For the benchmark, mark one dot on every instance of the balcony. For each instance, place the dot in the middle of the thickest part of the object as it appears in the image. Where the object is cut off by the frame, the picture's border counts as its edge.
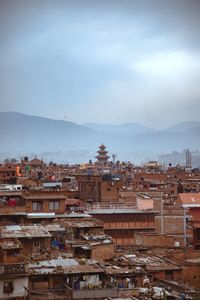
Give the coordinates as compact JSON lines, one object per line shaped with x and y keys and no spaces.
{"x":66,"y":294}
{"x":94,"y":294}
{"x":13,"y":259}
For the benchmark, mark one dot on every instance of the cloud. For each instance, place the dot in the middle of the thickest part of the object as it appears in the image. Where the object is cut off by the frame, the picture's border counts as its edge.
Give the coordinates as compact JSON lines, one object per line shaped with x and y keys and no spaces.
{"x":168,"y":64}
{"x":101,"y":60}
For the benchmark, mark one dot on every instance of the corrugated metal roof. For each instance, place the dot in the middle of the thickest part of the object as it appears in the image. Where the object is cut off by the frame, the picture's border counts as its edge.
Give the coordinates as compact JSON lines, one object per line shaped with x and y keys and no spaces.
{"x":54,"y":227}
{"x":40,"y":215}
{"x":25,"y":231}
{"x":13,"y":227}
{"x":10,"y":244}
{"x":60,"y":265}
{"x":52,"y":184}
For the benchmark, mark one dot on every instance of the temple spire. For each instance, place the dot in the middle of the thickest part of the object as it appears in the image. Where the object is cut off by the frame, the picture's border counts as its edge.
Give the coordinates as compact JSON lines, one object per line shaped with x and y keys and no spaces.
{"x":102,"y":156}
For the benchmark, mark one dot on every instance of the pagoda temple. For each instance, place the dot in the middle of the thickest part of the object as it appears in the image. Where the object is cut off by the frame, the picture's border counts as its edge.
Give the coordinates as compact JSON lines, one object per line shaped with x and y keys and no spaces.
{"x":102,"y":156}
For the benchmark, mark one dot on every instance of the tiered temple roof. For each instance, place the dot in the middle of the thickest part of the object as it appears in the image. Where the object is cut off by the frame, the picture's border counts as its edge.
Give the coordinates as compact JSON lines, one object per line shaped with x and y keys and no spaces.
{"x":102,"y":156}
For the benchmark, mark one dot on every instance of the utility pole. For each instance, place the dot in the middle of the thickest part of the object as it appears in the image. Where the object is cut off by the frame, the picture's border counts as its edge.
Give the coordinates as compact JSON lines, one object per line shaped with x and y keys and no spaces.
{"x":184,"y":227}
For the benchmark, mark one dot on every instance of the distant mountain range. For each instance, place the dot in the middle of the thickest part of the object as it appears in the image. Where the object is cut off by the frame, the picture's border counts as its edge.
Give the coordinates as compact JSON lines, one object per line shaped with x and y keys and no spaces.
{"x":59,"y":140}
{"x":125,"y":129}
{"x":181,"y":127}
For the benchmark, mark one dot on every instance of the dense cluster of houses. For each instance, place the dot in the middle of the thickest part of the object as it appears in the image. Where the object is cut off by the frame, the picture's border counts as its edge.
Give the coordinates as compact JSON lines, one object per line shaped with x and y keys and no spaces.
{"x":103,"y":230}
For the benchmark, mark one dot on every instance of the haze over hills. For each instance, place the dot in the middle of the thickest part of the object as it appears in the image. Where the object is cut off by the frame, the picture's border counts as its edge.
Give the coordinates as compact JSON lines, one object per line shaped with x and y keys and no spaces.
{"x":59,"y":140}
{"x":125,"y":129}
{"x":180,"y":127}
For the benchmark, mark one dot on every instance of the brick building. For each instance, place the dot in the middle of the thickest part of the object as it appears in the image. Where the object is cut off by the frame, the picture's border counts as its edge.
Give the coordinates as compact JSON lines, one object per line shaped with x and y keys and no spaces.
{"x":8,"y":174}
{"x":45,"y":202}
{"x":121,"y":224}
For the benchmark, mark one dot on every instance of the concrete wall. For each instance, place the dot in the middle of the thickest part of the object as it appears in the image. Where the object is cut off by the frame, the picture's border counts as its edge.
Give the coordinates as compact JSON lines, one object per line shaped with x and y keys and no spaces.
{"x":144,"y":203}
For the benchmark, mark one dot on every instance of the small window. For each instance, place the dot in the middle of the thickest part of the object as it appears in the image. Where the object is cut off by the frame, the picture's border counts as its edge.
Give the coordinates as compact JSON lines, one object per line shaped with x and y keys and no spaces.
{"x":54,"y":205}
{"x":8,"y":287}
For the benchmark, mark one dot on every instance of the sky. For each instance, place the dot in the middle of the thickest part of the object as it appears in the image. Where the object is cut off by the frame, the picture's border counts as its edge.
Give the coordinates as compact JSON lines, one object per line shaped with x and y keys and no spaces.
{"x":105,"y":61}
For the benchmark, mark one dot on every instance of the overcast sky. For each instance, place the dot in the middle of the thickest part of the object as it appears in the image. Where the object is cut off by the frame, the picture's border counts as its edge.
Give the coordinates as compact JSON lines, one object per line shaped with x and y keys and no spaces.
{"x":101,"y":61}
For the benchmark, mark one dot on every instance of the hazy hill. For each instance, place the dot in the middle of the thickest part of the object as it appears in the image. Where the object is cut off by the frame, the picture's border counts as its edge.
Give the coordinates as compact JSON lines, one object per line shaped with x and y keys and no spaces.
{"x":181,"y":127}
{"x":21,"y":131}
{"x":60,"y":140}
{"x":165,"y":140}
{"x":125,"y":129}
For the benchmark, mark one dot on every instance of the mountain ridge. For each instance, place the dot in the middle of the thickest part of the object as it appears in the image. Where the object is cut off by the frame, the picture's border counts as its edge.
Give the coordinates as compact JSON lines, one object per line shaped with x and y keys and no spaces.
{"x":21,"y":133}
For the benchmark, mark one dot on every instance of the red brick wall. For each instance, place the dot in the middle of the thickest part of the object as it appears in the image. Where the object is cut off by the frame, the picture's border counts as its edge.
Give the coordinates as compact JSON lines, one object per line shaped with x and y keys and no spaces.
{"x":103,"y":251}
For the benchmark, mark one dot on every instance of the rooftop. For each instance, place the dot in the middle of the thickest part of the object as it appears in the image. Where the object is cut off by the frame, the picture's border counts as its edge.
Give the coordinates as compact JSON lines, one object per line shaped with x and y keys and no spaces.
{"x":190,"y":199}
{"x":66,"y":265}
{"x":53,"y":215}
{"x":10,"y":244}
{"x":16,"y":231}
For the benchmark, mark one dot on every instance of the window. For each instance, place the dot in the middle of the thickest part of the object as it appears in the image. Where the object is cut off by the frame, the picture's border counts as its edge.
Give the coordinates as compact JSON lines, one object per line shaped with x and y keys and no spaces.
{"x":169,"y":275}
{"x":36,"y":244}
{"x":37,"y":206}
{"x":8,"y":287}
{"x":54,"y":205}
